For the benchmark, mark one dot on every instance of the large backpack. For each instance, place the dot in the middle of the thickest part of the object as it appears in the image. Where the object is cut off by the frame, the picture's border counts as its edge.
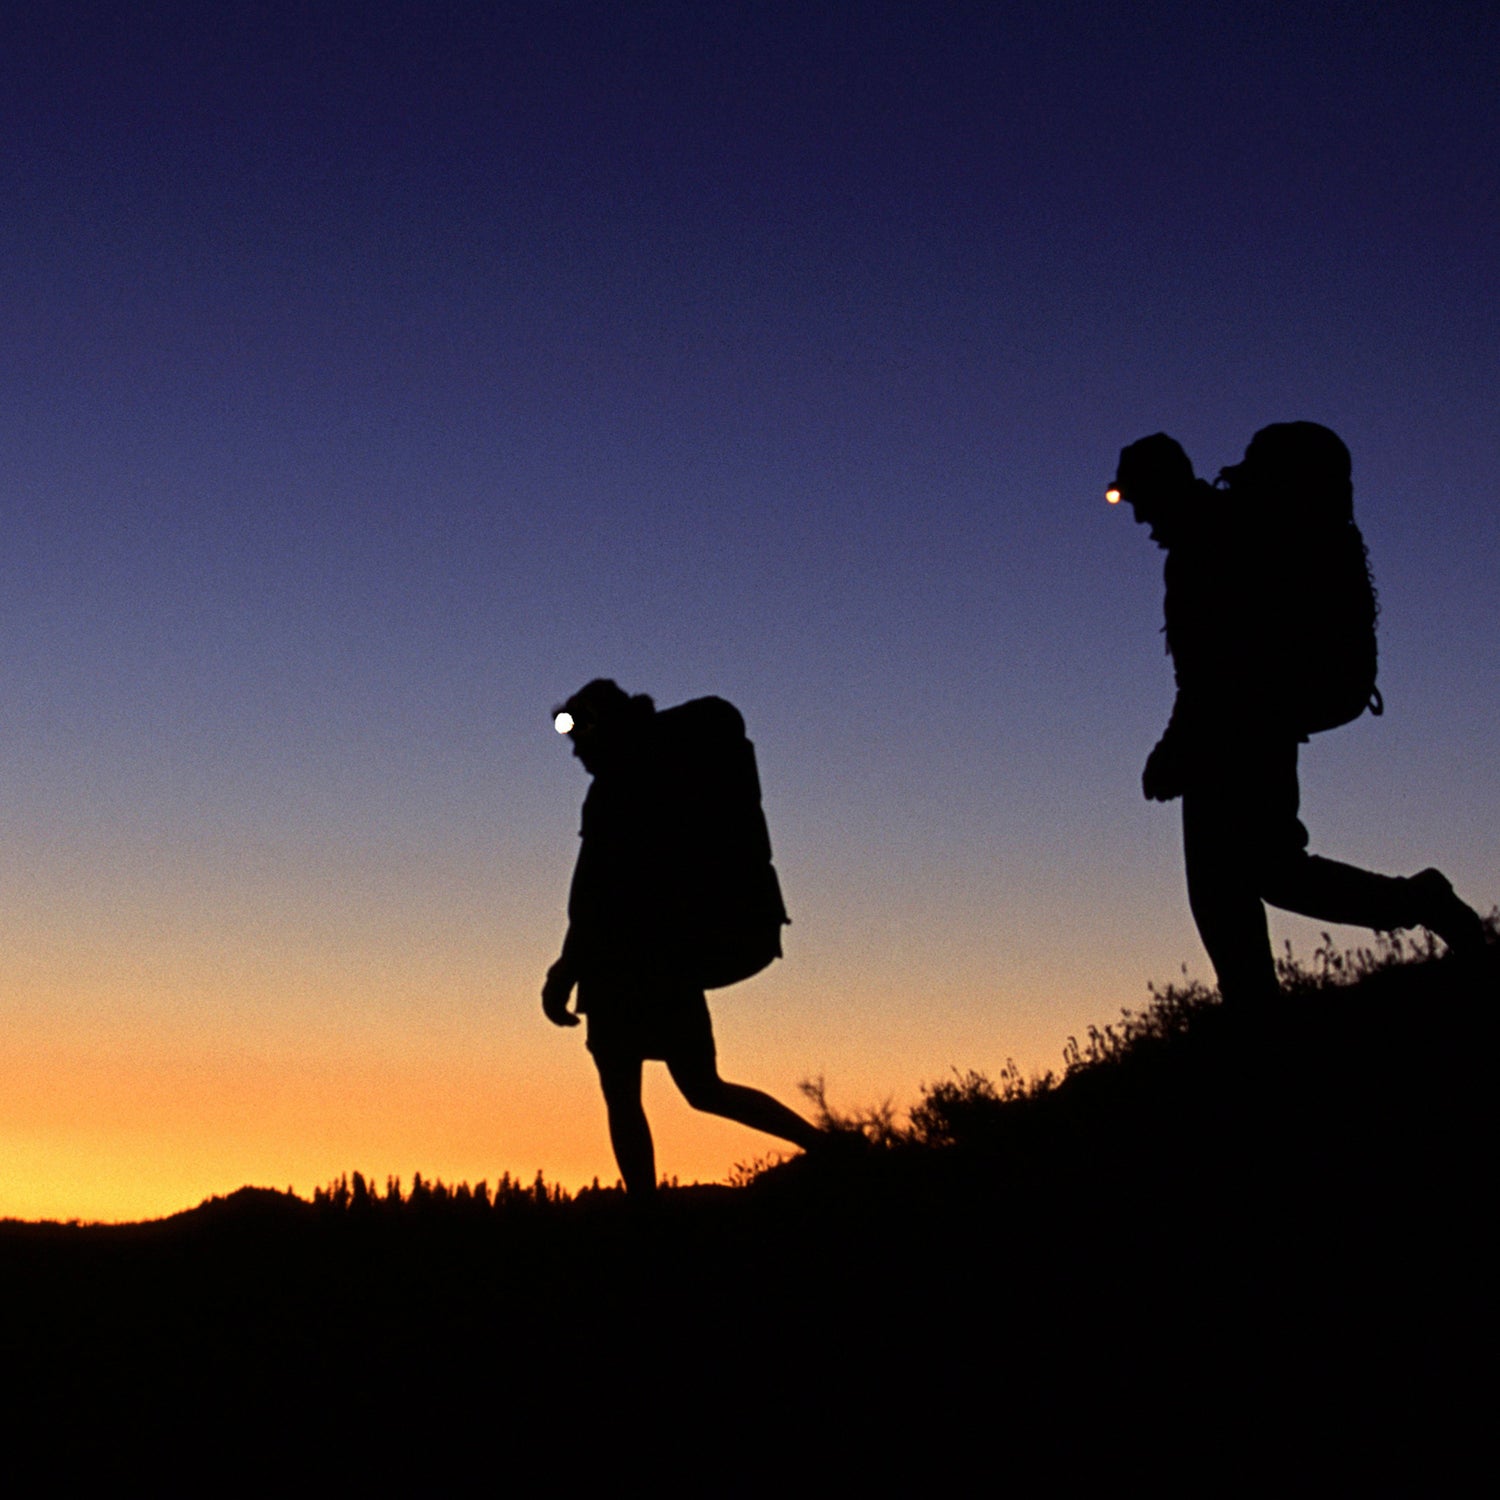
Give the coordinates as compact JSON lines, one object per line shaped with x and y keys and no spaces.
{"x":724,"y":900}
{"x":1332,"y":660}
{"x":1316,"y":599}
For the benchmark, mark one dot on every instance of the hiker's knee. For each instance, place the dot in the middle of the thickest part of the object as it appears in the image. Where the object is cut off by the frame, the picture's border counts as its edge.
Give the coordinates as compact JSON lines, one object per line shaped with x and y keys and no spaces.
{"x":699,"y":1083}
{"x":705,"y":1094}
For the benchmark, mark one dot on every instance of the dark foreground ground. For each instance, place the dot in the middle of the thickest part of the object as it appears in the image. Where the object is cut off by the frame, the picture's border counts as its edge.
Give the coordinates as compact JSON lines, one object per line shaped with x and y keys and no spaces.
{"x":1232,"y":1254}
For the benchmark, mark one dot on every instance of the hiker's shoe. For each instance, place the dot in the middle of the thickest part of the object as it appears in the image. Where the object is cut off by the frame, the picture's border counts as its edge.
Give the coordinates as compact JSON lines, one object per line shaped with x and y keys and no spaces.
{"x":1436,"y":907}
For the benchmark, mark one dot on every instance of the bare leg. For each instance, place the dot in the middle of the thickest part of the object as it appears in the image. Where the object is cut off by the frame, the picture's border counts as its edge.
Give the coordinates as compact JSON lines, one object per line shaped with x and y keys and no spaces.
{"x":629,"y":1132}
{"x":698,"y":1078}
{"x":1334,"y":892}
{"x":1223,"y":892}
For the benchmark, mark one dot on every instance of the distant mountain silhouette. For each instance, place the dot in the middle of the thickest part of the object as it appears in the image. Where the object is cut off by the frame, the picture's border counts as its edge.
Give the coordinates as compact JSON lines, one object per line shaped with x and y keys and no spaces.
{"x":245,"y":1206}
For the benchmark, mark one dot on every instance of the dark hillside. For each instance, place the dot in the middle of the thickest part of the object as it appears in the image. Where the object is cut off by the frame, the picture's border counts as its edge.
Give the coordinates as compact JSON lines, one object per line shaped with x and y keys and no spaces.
{"x":1219,"y":1247}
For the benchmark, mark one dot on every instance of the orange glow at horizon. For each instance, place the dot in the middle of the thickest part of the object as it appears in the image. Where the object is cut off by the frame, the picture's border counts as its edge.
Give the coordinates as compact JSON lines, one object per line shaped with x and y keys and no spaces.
{"x":168,"y":1050}
{"x":116,"y":1127}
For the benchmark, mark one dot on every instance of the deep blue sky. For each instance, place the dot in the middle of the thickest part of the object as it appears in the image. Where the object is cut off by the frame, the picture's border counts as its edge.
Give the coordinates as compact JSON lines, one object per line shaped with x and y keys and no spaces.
{"x":378,"y":373}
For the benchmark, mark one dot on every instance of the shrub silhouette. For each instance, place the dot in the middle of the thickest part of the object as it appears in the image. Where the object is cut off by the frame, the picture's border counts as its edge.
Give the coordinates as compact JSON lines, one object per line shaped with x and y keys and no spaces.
{"x":1181,"y":1051}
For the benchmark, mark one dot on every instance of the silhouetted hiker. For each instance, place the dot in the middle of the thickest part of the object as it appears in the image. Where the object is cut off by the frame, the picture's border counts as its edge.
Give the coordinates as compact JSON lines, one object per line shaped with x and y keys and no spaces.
{"x":662,"y":906}
{"x":1270,"y":624}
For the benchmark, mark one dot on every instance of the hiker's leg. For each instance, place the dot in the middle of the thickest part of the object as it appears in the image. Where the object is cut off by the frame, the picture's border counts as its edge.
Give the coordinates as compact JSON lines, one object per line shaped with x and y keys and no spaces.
{"x":1334,"y":892}
{"x":1225,"y":900}
{"x":1326,"y":889}
{"x":1244,"y":845}
{"x":696,"y":1073}
{"x":629,"y":1132}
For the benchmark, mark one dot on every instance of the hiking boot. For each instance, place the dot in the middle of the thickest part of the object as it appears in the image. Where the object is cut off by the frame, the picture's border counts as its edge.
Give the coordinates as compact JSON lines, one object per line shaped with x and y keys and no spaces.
{"x":1437,"y":907}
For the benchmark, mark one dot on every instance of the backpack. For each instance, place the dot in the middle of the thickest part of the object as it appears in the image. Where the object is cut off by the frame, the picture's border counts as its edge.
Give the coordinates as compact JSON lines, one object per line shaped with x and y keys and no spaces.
{"x":1315,"y":599}
{"x":1332,"y":662}
{"x":723,"y":897}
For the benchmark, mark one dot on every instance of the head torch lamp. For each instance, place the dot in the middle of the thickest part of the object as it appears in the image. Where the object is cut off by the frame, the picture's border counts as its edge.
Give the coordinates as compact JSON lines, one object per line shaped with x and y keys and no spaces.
{"x":574,"y":722}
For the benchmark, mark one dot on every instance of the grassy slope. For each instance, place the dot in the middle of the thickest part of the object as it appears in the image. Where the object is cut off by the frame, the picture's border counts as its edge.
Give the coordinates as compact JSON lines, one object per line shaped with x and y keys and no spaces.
{"x":1241,"y":1242}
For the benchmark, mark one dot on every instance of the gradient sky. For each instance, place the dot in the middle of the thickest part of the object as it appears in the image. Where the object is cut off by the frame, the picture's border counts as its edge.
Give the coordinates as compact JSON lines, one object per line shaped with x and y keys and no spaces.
{"x":378,"y":373}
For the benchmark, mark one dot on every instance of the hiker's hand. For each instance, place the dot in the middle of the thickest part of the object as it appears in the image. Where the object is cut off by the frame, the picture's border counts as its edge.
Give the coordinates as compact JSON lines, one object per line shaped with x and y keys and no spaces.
{"x":1161,"y":781}
{"x":555,"y":995}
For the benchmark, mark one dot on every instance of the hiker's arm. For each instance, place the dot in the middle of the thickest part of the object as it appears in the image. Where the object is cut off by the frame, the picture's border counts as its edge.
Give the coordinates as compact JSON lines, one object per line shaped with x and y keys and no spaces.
{"x":563,"y":975}
{"x":1163,"y":777}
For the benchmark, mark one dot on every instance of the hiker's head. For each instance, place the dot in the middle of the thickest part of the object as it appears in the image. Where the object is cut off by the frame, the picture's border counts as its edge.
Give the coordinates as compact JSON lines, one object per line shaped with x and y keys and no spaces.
{"x":1155,"y":478}
{"x":599,"y":719}
{"x":1296,"y":470}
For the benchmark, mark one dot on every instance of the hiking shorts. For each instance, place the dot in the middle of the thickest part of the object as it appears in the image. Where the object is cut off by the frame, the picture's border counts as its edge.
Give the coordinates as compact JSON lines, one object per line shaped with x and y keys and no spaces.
{"x":1241,"y":803}
{"x":643,"y":1019}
